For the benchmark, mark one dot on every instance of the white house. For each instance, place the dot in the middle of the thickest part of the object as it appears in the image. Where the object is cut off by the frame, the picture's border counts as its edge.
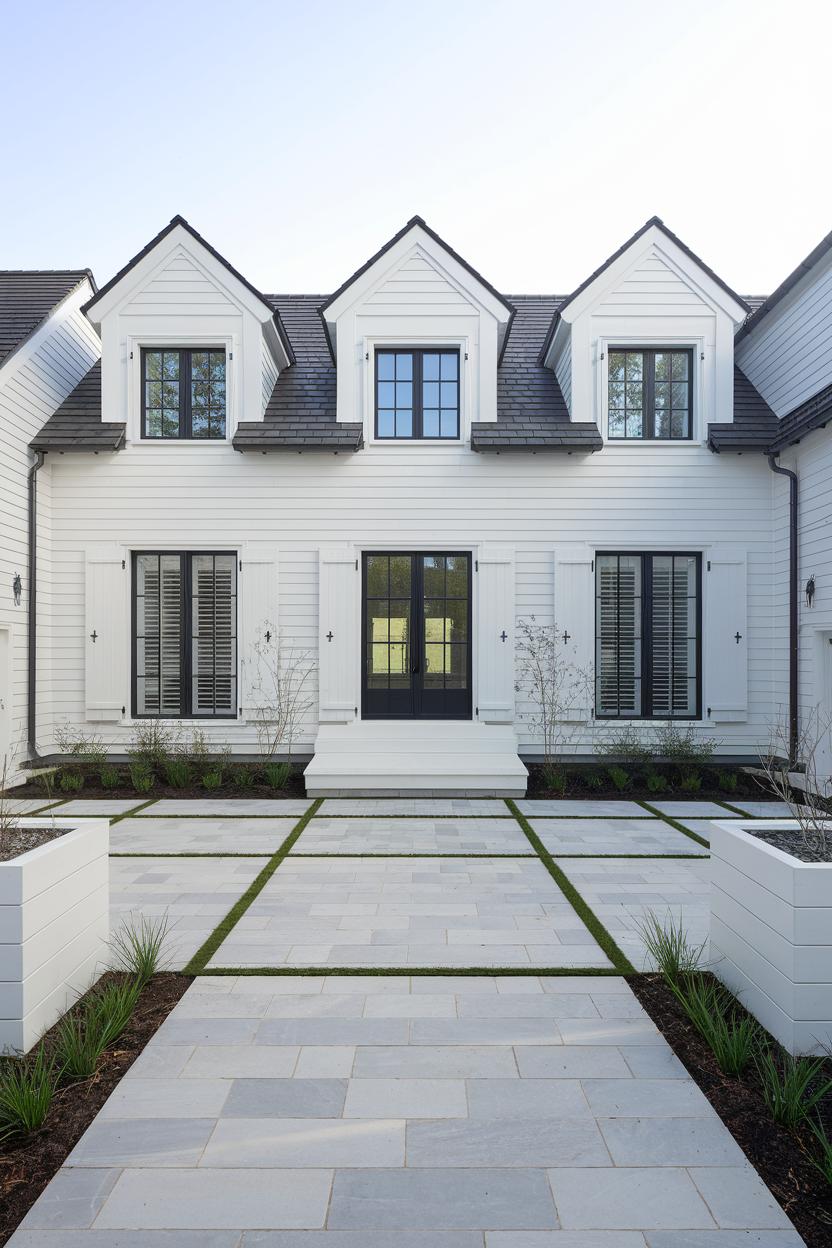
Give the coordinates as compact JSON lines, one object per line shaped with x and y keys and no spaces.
{"x":387,"y":480}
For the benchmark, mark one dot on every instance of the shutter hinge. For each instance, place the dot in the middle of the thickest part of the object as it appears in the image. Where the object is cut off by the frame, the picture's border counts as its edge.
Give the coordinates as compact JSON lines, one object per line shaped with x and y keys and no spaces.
{"x":356,"y":565}
{"x":355,"y":708}
{"x":476,"y":712}
{"x":231,"y":355}
{"x":592,"y":565}
{"x":476,"y":565}
{"x":466,"y":355}
{"x":123,"y":564}
{"x":124,"y":710}
{"x":131,"y":355}
{"x":709,"y":565}
{"x":709,"y":712}
{"x":241,"y":565}
{"x":366,"y":355}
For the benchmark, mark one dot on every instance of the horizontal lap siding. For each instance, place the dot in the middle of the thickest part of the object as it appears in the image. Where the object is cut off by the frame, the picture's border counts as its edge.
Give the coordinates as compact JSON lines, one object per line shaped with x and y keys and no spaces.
{"x":789,"y":357}
{"x":813,"y":460}
{"x":432,"y":497}
{"x":32,"y":386}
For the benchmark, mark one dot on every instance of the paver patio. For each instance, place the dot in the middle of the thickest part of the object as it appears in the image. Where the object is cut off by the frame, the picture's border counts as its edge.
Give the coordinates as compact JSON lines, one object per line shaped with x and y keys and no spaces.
{"x":505,"y":1129}
{"x":423,"y":1111}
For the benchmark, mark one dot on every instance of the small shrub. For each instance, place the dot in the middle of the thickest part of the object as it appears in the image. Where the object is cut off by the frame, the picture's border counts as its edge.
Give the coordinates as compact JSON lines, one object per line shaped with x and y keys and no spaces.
{"x":79,"y":1045}
{"x":277,"y":774}
{"x":71,"y":782}
{"x":553,"y":777}
{"x":684,"y":748}
{"x":26,"y":1089}
{"x":89,"y":751}
{"x":152,"y":744}
{"x":625,"y":745}
{"x":177,"y":772}
{"x":656,"y":783}
{"x":667,"y":944}
{"x":137,"y":947}
{"x":691,"y":782}
{"x":110,"y":1007}
{"x":47,"y":780}
{"x":243,"y":777}
{"x":621,"y":779}
{"x":109,"y":777}
{"x":727,"y":781}
{"x":141,"y":777}
{"x":791,"y":1087}
{"x":212,"y":780}
{"x":733,"y":1039}
{"x":594,"y":780}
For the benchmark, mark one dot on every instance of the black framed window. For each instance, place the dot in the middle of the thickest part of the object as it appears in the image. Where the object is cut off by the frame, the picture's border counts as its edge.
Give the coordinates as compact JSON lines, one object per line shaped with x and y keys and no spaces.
{"x":185,"y":635}
{"x":417,"y":393}
{"x":183,"y":392}
{"x":648,"y":650}
{"x":650,"y":393}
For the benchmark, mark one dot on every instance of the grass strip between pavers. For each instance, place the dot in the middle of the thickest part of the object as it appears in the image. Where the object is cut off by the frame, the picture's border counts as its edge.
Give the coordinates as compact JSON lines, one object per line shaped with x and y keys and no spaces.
{"x":674,"y":823}
{"x":479,"y":972}
{"x":209,"y":947}
{"x":620,"y":961}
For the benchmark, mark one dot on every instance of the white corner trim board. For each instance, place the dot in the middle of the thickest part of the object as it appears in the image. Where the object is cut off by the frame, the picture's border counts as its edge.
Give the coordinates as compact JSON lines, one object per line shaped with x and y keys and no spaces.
{"x":771,"y":933}
{"x":54,"y":927}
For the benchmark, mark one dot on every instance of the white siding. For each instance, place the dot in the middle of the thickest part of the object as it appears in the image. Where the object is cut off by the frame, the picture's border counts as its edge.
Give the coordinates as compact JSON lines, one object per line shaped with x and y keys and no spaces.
{"x":269,"y":374}
{"x":652,"y":285}
{"x":417,"y":287}
{"x":563,"y":372}
{"x":418,"y":497}
{"x":33,"y":383}
{"x":789,"y":358}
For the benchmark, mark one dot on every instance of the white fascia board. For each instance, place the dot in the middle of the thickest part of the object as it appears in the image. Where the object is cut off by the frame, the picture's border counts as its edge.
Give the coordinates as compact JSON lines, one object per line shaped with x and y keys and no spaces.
{"x":417,"y":240}
{"x":145,"y":270}
{"x":274,"y":344}
{"x":685,"y":268}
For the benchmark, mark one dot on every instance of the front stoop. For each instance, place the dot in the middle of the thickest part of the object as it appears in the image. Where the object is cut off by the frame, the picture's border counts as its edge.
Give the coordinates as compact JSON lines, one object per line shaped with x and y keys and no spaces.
{"x":416,"y":758}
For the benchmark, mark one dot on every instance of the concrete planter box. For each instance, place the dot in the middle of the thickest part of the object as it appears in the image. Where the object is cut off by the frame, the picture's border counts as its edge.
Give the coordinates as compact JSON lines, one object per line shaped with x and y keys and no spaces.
{"x":771,"y":933}
{"x":54,"y":927}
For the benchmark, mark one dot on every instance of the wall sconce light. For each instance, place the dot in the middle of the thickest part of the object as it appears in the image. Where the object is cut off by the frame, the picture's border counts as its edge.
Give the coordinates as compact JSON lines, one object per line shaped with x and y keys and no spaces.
{"x":17,"y":588}
{"x":810,"y":591}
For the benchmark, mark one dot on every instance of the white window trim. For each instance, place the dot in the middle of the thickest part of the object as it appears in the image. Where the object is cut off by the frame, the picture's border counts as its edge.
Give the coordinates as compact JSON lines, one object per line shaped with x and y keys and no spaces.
{"x":135,"y":343}
{"x":698,"y":415}
{"x":461,"y":343}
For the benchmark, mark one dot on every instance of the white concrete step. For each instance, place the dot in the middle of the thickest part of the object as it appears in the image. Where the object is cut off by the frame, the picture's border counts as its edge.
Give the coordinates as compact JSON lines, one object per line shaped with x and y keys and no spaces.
{"x":412,"y":758}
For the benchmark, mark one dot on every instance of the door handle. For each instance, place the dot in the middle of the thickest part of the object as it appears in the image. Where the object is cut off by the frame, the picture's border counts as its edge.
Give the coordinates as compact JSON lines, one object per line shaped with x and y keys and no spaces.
{"x":414,"y":663}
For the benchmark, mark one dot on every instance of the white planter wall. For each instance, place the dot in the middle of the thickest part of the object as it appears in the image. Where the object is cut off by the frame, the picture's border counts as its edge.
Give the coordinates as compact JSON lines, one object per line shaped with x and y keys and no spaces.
{"x":771,"y":934}
{"x":54,"y":927}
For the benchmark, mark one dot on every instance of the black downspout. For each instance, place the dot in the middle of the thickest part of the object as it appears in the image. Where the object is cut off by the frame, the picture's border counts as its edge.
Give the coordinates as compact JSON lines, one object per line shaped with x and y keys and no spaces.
{"x":794,"y":722}
{"x":32,"y":643}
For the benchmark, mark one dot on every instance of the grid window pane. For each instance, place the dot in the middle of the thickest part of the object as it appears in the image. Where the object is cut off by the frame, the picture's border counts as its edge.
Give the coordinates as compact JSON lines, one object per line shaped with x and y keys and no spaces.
{"x":649,"y":394}
{"x":183,"y":392}
{"x":417,"y":394}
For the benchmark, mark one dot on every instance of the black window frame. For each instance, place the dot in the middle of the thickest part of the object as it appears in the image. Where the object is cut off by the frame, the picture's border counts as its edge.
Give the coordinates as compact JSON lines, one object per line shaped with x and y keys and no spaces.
{"x":418,"y":354}
{"x":185,"y":433}
{"x":648,"y":433}
{"x":646,"y":557}
{"x":186,"y":627}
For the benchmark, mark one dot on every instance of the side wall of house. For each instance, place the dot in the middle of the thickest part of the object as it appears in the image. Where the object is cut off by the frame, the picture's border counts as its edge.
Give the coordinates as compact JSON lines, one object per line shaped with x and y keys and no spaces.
{"x":425,"y":497}
{"x":33,"y":383}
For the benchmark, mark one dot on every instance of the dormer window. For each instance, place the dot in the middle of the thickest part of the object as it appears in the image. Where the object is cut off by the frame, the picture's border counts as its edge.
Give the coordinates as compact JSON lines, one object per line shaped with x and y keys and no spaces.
{"x":650,"y":393}
{"x":183,"y":392}
{"x":417,"y":394}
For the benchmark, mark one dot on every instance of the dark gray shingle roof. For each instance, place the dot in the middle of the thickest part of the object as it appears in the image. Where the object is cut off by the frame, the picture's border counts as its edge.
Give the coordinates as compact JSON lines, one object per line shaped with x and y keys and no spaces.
{"x":812,"y":414}
{"x":531,"y":411}
{"x":764,"y":306}
{"x":755,"y":424}
{"x":27,"y":296}
{"x":77,"y":424}
{"x":300,"y":414}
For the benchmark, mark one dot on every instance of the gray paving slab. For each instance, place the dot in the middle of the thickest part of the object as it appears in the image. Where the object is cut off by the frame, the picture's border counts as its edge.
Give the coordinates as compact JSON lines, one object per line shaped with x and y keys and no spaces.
{"x":561,"y":808}
{"x":762,"y":809}
{"x":408,"y":1098}
{"x":361,"y":1239}
{"x":623,"y":892}
{"x":507,"y":1142}
{"x":670,"y":1142}
{"x":125,"y":1239}
{"x":154,"y":1142}
{"x":286,"y":1098}
{"x":194,"y":894}
{"x":388,"y":835}
{"x":29,"y":805}
{"x":137,"y":835}
{"x":564,"y":1239}
{"x":441,"y":1199}
{"x":235,"y":807}
{"x":613,"y":836}
{"x":691,"y":810}
{"x":496,"y":1099}
{"x":222,"y":1198}
{"x":627,"y":1198}
{"x":98,"y":807}
{"x":429,"y":807}
{"x":274,"y":1143}
{"x":647,"y":1098}
{"x":725,"y":1239}
{"x":397,"y":912}
{"x":738,"y":1198}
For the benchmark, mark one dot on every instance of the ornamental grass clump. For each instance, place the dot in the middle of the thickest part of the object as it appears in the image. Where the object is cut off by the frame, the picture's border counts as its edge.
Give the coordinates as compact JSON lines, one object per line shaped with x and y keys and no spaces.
{"x":177,"y":772}
{"x":792,"y":1086}
{"x":137,"y":948}
{"x":668,"y":946}
{"x":277,"y":774}
{"x":732,"y":1036}
{"x":27,"y":1086}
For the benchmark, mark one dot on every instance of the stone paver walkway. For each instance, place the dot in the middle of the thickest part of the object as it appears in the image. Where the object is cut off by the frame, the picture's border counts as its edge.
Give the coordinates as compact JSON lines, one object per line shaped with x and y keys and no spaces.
{"x":312,"y":1110}
{"x":444,"y":1113}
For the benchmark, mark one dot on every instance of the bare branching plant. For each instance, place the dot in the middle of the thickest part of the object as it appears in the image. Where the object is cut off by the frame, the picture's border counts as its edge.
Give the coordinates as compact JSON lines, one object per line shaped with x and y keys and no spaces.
{"x":9,"y":820}
{"x":558,"y":692}
{"x":811,"y":810}
{"x":280,"y":678}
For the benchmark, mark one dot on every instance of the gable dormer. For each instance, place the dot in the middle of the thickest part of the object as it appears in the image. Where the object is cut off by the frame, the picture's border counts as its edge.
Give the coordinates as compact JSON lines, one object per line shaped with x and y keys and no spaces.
{"x":189,"y":347}
{"x":644,"y":347}
{"x":416,"y":334}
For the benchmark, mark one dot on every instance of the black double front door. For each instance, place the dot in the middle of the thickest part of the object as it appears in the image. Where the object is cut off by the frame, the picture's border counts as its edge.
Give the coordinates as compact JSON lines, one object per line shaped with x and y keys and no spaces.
{"x":416,"y":635}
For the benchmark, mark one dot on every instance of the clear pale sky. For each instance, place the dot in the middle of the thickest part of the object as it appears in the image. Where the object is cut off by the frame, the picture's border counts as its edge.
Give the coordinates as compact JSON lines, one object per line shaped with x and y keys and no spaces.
{"x":533,"y":136}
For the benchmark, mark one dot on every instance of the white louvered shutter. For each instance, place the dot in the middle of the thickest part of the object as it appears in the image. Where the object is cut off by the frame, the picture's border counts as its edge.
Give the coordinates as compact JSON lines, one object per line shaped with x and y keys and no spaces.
{"x":618,"y":641}
{"x":726,"y":634}
{"x":213,"y":591}
{"x":107,"y":640}
{"x":673,"y":617}
{"x":495,"y":634}
{"x":338,"y":634}
{"x":259,"y":606}
{"x":574,"y":621}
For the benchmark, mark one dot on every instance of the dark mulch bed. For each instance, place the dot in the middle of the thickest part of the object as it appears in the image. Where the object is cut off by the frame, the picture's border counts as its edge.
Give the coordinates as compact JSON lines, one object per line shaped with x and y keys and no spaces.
{"x":27,"y":1165}
{"x":780,"y":1155}
{"x":93,"y":790}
